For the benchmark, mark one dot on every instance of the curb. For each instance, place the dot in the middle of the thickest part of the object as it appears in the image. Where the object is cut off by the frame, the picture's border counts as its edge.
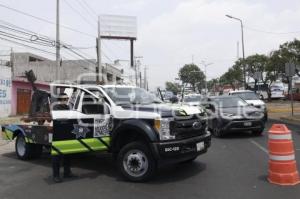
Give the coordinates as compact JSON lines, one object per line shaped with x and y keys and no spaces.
{"x":287,"y":121}
{"x":282,"y":110}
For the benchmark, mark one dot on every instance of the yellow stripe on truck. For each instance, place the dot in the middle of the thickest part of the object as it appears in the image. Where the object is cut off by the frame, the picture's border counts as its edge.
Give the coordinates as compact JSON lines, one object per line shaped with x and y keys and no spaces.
{"x":7,"y":135}
{"x":74,"y":146}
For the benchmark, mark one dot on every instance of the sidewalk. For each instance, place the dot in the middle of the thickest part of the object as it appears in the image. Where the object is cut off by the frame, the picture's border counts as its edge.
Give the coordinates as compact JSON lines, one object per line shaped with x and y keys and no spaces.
{"x":10,"y":120}
{"x":6,"y":146}
{"x":281,"y":110}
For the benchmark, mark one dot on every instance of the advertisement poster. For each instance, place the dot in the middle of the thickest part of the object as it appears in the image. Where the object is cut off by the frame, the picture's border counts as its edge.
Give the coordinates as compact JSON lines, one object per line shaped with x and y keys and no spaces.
{"x":5,"y":91}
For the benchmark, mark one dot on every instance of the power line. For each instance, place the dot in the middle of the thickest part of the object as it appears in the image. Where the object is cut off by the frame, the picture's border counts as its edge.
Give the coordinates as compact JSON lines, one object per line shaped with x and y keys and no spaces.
{"x":22,"y":30}
{"x":46,"y":20}
{"x":87,"y":10}
{"x":31,"y":34}
{"x":88,"y":6}
{"x":38,"y":36}
{"x":20,"y":38}
{"x":28,"y":41}
{"x":32,"y":38}
{"x":38,"y":49}
{"x":76,"y":63}
{"x":83,"y":47}
{"x":46,"y":38}
{"x":78,"y":54}
{"x":76,"y":11}
{"x":270,"y":32}
{"x":27,"y":46}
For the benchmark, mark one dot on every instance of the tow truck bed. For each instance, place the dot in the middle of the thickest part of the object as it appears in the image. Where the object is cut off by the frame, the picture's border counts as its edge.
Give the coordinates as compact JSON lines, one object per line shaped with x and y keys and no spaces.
{"x":34,"y":134}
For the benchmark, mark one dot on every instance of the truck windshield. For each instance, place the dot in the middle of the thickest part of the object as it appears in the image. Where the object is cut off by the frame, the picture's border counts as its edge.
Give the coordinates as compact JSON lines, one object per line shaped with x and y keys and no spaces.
{"x":228,"y":102}
{"x":194,"y":98}
{"x":246,"y":95}
{"x":131,"y":95}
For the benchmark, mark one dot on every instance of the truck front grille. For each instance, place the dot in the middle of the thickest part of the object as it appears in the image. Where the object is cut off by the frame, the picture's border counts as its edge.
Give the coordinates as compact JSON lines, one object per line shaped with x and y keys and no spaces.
{"x":186,"y":129}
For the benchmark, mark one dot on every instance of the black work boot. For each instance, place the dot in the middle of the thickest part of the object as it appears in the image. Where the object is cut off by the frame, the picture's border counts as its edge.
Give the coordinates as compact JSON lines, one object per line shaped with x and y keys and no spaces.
{"x":70,"y":175}
{"x":57,"y":179}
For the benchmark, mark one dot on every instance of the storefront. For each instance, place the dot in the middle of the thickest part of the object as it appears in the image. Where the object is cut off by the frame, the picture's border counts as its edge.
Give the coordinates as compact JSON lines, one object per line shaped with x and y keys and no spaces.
{"x":21,"y":95}
{"x":5,"y":91}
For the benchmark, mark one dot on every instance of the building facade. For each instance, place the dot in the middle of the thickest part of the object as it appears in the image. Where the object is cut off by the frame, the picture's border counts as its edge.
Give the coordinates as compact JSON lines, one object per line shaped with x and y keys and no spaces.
{"x":70,"y":71}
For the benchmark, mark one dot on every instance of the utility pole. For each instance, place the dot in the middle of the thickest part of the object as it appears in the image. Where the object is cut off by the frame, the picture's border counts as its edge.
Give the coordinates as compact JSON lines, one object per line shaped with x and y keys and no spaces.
{"x":243,"y":47}
{"x":57,"y":42}
{"x":140,"y":79}
{"x":145,"y":77}
{"x":237,"y":50}
{"x":12,"y":61}
{"x":98,"y":65}
{"x":137,"y":68}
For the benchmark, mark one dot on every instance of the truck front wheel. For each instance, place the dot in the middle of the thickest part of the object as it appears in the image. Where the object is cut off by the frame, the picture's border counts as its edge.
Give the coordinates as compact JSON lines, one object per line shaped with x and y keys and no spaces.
{"x":136,"y":162}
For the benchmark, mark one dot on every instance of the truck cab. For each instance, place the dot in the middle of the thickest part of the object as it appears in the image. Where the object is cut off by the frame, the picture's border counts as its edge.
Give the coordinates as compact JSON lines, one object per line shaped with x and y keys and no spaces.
{"x":140,"y":131}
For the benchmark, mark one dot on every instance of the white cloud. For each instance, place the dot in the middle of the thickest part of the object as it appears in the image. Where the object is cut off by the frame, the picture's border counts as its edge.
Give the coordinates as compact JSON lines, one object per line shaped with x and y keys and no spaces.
{"x":171,"y":31}
{"x":200,"y":28}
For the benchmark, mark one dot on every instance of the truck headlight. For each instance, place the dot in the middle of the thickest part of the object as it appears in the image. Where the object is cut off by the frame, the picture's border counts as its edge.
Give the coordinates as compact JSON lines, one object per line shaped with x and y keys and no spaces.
{"x":163,"y":128}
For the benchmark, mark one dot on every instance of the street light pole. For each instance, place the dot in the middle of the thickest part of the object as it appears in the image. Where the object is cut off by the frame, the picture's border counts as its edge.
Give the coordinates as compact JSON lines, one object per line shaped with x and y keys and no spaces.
{"x":243,"y":47}
{"x":57,"y":46}
{"x":205,"y":65}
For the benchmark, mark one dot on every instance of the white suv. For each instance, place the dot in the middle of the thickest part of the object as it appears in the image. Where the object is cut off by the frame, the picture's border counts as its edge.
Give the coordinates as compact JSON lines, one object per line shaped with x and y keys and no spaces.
{"x":251,"y":98}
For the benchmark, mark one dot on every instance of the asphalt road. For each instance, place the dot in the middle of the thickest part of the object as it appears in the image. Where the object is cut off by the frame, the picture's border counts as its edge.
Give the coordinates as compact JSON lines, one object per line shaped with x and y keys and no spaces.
{"x":234,"y":167}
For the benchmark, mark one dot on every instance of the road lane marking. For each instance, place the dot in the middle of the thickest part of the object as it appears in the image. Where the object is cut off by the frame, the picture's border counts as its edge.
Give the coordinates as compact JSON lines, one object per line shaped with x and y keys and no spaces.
{"x":259,"y":146}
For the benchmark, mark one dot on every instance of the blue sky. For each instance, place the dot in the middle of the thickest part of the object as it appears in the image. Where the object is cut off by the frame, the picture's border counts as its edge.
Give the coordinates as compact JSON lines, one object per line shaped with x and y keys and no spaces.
{"x":170,"y":32}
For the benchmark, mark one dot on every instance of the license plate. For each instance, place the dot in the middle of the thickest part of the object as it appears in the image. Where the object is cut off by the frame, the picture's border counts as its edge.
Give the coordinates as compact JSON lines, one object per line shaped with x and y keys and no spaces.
{"x":200,"y":146}
{"x":247,"y":123}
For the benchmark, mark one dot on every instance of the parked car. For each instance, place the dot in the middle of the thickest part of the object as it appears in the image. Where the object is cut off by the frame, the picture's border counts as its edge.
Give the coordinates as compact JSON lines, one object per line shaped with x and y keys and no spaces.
{"x":277,"y":91}
{"x":233,"y":114}
{"x":252,"y":99}
{"x":192,"y":100}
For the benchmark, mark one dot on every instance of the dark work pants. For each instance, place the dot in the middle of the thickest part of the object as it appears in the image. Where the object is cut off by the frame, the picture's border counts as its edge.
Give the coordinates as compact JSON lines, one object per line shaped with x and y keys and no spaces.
{"x":56,"y":162}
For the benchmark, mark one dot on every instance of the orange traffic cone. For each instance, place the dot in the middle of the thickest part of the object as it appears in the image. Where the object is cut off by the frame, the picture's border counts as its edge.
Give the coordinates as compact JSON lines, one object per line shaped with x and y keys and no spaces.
{"x":282,"y":164}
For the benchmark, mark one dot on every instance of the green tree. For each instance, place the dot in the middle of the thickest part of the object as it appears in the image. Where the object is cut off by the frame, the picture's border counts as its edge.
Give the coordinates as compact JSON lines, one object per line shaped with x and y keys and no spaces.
{"x":192,"y":74}
{"x":174,"y":87}
{"x":234,"y":75}
{"x":290,"y":51}
{"x":257,"y":63}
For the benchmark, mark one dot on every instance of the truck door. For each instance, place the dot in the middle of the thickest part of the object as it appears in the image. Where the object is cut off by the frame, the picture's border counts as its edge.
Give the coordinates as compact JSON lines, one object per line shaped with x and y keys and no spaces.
{"x":85,"y":127}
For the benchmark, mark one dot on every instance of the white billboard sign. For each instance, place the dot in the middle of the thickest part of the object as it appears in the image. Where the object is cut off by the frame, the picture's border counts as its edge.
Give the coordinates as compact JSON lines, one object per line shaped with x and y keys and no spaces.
{"x":5,"y":91}
{"x":118,"y":27}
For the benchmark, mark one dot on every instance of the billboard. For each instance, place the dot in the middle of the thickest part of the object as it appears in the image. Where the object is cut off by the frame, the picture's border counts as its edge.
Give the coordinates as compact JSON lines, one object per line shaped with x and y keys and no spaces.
{"x":5,"y":91}
{"x":118,"y":27}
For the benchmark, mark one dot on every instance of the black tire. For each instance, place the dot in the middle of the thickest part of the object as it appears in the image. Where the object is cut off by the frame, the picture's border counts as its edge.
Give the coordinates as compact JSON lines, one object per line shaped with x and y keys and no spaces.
{"x":140,"y":156}
{"x":257,"y":132}
{"x":24,"y":151}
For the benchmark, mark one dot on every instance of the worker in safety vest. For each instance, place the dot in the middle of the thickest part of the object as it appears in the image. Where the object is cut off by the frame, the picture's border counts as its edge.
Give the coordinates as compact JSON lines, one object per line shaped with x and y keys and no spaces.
{"x":58,"y":159}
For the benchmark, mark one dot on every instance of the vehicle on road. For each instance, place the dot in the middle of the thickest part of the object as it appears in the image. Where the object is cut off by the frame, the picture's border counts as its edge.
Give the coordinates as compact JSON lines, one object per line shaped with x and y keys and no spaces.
{"x":192,"y":99}
{"x":278,"y":91}
{"x":252,"y":99}
{"x":232,"y":114}
{"x":260,"y":88}
{"x":140,"y":131}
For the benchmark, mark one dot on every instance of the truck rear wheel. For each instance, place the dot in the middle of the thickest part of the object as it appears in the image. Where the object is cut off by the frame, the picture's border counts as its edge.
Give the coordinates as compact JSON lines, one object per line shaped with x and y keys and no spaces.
{"x":24,"y":150}
{"x":135,"y":162}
